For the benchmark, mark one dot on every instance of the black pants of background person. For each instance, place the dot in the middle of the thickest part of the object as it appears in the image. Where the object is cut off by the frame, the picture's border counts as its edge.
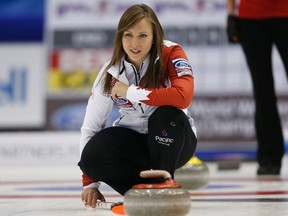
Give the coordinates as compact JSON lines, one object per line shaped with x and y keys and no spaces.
{"x":257,"y":38}
{"x":117,"y":155}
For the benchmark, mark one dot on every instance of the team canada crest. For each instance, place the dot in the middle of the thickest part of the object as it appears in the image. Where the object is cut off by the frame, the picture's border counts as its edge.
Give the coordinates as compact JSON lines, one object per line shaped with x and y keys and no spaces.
{"x":182,"y":67}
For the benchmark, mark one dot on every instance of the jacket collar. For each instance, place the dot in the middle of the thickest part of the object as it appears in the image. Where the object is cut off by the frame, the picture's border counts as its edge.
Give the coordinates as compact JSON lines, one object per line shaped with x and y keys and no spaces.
{"x":115,"y":69}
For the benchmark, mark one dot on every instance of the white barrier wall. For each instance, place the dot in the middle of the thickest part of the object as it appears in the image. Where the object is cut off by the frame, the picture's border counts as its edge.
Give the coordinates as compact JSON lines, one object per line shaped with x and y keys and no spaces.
{"x":39,"y":148}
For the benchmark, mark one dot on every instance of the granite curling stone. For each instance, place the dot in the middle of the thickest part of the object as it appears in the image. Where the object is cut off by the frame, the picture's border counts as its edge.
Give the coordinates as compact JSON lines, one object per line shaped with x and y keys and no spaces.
{"x":161,"y":199}
{"x":193,"y":175}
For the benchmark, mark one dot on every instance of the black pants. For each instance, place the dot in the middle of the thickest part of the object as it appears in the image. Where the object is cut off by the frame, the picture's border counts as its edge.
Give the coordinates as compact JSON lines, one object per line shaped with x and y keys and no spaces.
{"x":117,"y":155}
{"x":257,"y":40}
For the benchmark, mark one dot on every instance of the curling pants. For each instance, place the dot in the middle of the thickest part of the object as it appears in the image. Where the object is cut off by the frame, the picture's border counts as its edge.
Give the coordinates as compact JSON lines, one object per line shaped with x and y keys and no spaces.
{"x":257,"y":39}
{"x":117,"y":155}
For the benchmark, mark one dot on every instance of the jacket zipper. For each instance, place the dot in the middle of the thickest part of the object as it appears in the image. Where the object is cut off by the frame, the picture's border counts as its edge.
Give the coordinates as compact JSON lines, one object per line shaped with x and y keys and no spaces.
{"x":117,"y":122}
{"x":137,"y":79}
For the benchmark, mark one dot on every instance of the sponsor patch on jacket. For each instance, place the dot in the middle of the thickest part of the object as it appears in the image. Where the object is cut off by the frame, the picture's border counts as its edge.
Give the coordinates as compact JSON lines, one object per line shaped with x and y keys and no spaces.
{"x":182,"y":67}
{"x":122,"y":102}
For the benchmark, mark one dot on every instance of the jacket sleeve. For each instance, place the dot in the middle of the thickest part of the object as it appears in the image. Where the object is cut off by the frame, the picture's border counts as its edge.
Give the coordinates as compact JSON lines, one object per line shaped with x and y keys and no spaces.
{"x":89,"y":183}
{"x":179,"y":91}
{"x":97,"y":112}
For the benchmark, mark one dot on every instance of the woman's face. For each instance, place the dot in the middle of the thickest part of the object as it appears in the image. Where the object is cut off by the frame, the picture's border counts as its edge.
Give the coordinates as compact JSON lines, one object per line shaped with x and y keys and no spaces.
{"x":137,"y":42}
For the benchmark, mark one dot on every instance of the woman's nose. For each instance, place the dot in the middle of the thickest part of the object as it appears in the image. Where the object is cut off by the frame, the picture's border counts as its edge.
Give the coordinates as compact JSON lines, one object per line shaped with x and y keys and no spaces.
{"x":135,"y":42}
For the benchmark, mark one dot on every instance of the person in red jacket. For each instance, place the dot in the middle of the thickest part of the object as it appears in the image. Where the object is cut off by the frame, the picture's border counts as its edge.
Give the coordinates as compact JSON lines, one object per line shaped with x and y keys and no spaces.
{"x":151,"y":81}
{"x":258,"y":26}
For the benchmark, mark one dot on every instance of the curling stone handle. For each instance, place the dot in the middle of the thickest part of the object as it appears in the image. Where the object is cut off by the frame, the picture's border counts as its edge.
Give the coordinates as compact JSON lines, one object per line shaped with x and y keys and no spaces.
{"x":155,"y":174}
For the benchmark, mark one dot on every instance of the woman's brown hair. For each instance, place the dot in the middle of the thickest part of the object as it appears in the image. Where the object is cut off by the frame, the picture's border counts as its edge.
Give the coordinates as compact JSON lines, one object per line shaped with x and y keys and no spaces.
{"x":154,"y":73}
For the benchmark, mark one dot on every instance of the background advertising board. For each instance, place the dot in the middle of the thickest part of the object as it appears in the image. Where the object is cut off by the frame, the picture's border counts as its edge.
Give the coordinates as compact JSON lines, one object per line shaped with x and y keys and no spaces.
{"x":22,"y":96}
{"x":22,"y":65}
{"x":80,"y":35}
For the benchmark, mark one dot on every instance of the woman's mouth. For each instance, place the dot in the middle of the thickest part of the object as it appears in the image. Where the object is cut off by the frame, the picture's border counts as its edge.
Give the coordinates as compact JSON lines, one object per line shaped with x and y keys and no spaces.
{"x":135,"y":51}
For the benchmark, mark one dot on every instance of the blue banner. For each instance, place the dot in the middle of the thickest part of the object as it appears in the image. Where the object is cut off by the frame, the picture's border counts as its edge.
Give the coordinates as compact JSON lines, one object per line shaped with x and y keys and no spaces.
{"x":22,"y":21}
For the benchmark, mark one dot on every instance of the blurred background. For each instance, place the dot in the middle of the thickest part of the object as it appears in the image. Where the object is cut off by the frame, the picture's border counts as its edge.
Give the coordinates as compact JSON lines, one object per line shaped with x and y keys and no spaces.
{"x":51,"y":52}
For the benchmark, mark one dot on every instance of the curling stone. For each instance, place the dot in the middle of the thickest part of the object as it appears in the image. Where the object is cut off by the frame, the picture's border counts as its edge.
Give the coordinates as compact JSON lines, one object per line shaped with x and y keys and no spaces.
{"x":161,"y":199}
{"x":193,"y":175}
{"x":229,"y":161}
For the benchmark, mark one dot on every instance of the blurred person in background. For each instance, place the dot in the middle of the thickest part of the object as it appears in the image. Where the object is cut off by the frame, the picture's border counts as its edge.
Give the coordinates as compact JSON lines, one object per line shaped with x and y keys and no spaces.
{"x":151,"y":80}
{"x":259,"y":25}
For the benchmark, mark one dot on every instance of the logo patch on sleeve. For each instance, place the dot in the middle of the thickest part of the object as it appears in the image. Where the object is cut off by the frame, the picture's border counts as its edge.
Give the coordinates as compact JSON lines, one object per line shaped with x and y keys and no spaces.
{"x":182,"y":67}
{"x":122,"y":102}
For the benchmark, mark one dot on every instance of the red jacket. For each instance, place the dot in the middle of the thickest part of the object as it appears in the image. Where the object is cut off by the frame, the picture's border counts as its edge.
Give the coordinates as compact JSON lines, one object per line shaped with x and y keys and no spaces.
{"x":263,"y":9}
{"x":178,"y":92}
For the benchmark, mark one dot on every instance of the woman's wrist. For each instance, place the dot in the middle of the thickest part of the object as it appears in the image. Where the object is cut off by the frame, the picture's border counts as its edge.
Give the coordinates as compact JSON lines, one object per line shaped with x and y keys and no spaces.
{"x":92,"y":185}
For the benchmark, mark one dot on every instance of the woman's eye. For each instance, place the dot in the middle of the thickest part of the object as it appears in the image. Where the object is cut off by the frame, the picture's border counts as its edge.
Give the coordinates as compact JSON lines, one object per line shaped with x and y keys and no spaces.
{"x":143,"y":35}
{"x":128,"y":35}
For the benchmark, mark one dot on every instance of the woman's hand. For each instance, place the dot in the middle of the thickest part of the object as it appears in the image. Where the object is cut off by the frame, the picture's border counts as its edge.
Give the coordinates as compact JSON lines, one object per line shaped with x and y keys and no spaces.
{"x":90,"y":196}
{"x":119,"y":89}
